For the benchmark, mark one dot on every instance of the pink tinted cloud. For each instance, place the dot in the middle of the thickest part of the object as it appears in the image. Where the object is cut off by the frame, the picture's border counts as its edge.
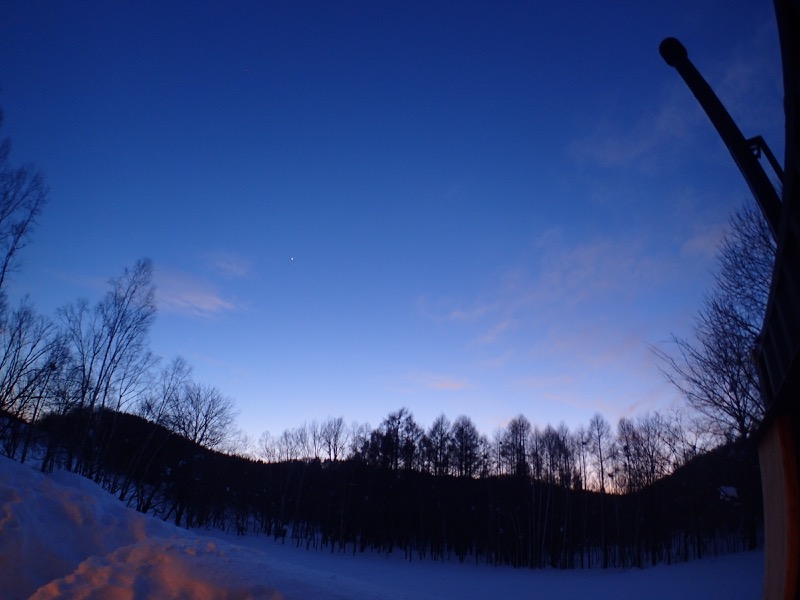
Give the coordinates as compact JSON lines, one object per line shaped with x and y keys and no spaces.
{"x":182,"y":294}
{"x":437,"y":382}
{"x":703,"y":244}
{"x":230,"y":264}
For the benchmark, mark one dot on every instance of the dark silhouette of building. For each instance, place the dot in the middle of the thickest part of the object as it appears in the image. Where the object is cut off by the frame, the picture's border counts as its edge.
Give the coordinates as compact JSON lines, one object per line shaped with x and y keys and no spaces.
{"x":778,"y":353}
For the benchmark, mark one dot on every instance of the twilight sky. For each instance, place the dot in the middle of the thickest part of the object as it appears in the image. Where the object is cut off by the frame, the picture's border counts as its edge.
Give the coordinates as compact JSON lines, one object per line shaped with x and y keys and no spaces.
{"x":471,"y":208}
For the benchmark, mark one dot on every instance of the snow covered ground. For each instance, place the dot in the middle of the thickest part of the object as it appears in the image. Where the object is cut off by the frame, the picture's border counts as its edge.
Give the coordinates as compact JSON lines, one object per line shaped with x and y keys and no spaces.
{"x":61,"y":536}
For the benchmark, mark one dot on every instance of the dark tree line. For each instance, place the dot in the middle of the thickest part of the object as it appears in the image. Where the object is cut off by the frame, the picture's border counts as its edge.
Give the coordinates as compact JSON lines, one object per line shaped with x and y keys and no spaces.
{"x":384,"y":504}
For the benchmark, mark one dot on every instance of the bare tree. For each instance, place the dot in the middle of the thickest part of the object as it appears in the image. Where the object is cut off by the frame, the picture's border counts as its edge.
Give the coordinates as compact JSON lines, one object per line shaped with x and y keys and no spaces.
{"x":238,"y":443}
{"x":31,"y":354}
{"x":359,"y":439}
{"x":464,"y":447}
{"x":267,"y":447}
{"x":396,"y":443}
{"x":580,"y":443}
{"x":171,"y":381}
{"x":715,"y":370}
{"x":287,"y":446}
{"x":601,"y":445}
{"x":683,"y":438}
{"x":161,"y":394}
{"x":110,"y":357}
{"x":302,"y":441}
{"x":436,"y":446}
{"x":315,"y":440}
{"x":601,"y":448}
{"x":334,"y":437}
{"x":557,"y":455}
{"x":23,"y":193}
{"x":26,"y":343}
{"x":202,"y":414}
{"x":516,"y":443}
{"x":643,"y":455}
{"x":483,"y":464}
{"x":536,"y":453}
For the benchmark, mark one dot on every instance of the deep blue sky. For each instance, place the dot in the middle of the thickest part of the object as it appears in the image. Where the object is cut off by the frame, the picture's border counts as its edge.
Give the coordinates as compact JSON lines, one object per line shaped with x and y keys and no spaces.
{"x":470,"y":208}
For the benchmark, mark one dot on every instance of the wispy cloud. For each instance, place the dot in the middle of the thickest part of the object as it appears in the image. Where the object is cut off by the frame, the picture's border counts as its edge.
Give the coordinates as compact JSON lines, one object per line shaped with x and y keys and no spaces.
{"x":183,"y":294}
{"x":750,"y":82}
{"x":444,"y":310}
{"x":495,"y":331}
{"x":435,"y":382}
{"x":622,"y":140}
{"x":468,"y":314}
{"x":607,"y":146}
{"x":574,"y":300}
{"x":542,"y":383}
{"x":586,"y":272}
{"x":230,"y":264}
{"x":576,"y":278}
{"x":596,"y":344}
{"x":498,"y":360}
{"x":92,"y":283}
{"x":704,"y":244}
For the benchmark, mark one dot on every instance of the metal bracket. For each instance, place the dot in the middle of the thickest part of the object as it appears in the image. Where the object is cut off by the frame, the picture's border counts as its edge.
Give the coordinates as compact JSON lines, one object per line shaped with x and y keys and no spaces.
{"x":758,"y":145}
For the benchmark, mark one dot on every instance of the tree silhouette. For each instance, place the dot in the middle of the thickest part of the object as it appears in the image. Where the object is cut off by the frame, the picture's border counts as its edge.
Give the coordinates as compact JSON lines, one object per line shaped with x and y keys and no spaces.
{"x":715,"y":370}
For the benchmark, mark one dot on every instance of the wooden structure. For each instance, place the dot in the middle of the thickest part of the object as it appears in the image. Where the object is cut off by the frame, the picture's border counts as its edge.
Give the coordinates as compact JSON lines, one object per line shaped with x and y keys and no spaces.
{"x":778,"y":352}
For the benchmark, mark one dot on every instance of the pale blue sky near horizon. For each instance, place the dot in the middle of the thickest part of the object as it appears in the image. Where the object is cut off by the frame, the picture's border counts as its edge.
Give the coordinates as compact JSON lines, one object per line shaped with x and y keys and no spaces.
{"x":470,"y":208}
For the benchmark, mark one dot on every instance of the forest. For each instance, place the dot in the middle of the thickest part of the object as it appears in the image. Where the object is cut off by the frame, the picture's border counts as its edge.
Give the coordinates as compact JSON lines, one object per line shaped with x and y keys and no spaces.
{"x":531,"y":506}
{"x":84,"y":392}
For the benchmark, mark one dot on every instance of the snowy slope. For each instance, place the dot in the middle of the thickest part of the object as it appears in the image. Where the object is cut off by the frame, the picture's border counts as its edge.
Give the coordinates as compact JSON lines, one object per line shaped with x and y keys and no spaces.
{"x":63,"y":537}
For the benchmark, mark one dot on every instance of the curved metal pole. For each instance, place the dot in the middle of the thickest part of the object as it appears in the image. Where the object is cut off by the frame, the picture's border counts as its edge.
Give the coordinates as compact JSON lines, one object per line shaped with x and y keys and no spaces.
{"x":675,"y":55}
